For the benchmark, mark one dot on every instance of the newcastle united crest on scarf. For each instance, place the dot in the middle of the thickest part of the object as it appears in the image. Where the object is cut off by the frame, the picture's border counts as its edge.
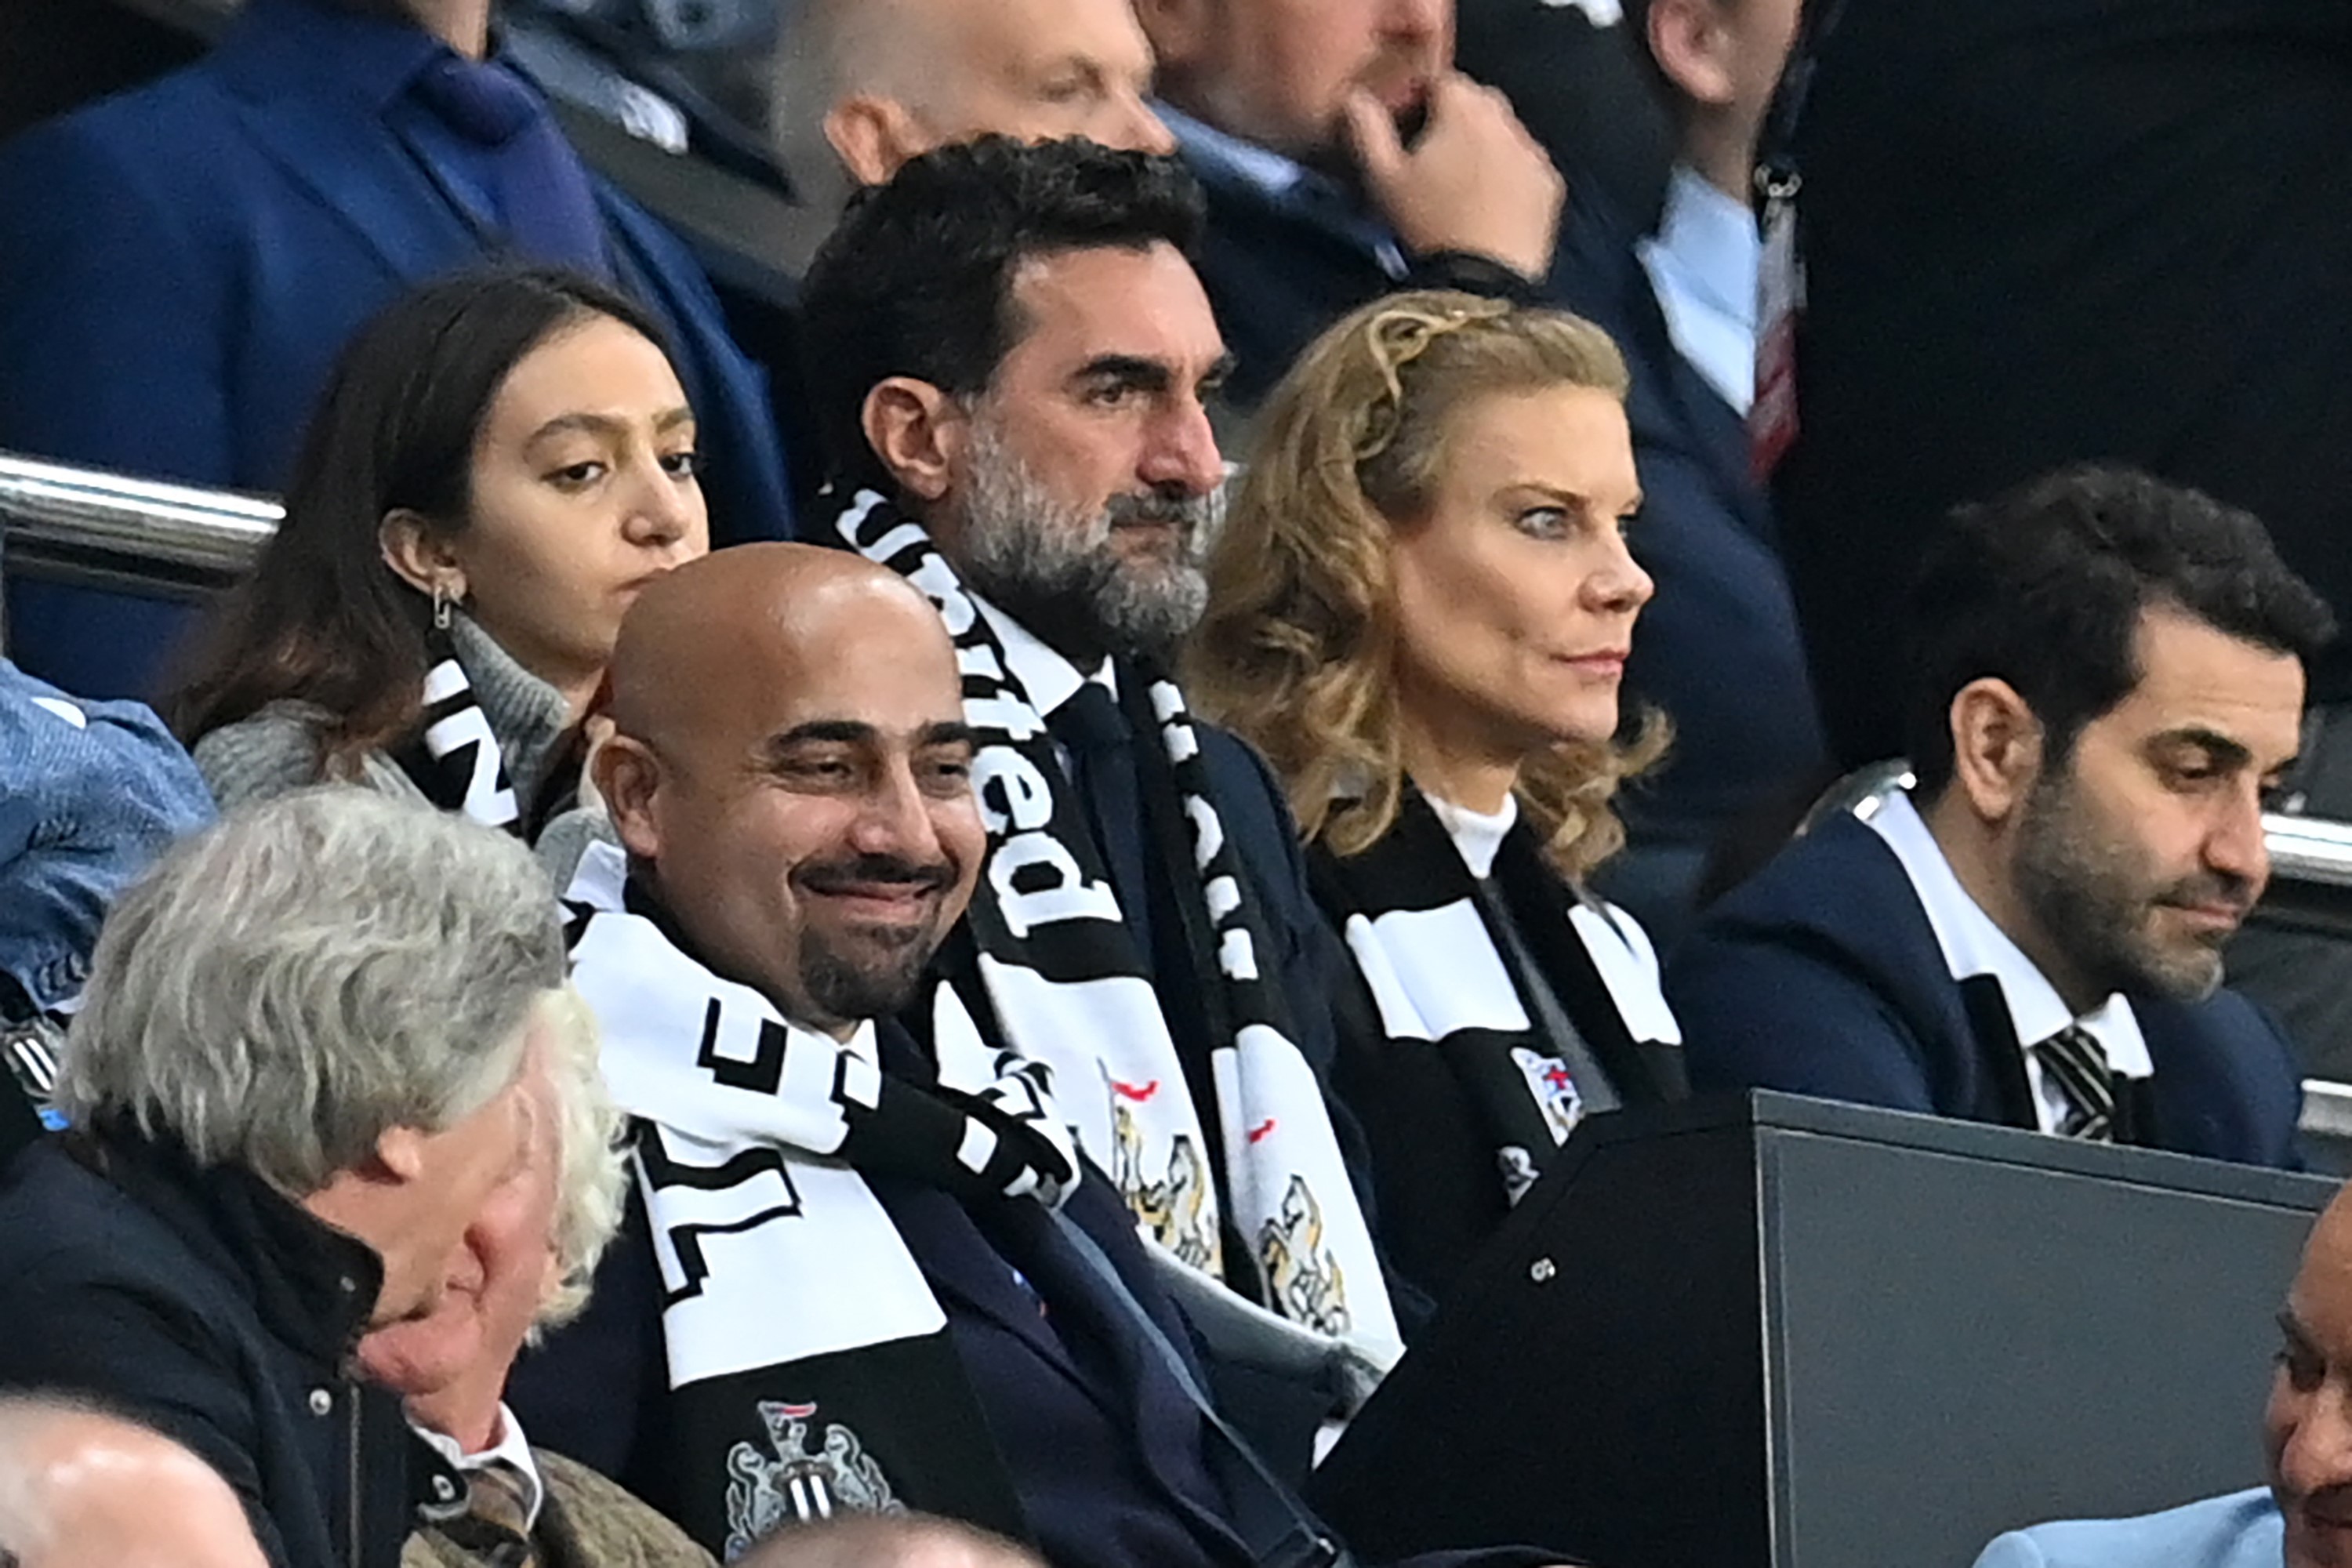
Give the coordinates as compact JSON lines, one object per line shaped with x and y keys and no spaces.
{"x":1064,"y":977}
{"x":799,"y":1479}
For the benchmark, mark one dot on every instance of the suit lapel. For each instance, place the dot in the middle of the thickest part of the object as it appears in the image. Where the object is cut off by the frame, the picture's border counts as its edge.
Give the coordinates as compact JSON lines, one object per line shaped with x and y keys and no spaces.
{"x":960,"y":1266}
{"x":1999,"y":1056}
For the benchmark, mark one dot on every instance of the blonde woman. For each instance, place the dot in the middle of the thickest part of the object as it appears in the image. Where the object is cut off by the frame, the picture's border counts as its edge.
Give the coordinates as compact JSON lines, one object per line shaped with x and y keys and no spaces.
{"x":1421,"y":608}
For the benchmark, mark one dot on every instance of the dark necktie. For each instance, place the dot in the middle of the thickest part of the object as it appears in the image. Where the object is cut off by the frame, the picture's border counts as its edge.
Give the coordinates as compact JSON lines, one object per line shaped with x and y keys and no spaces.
{"x":546,"y":205}
{"x":1101,"y":744}
{"x":2079,"y":1063}
{"x":495,"y":1525}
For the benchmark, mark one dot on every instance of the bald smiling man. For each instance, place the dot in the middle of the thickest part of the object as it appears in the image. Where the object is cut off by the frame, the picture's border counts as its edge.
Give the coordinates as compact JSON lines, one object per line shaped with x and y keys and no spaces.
{"x":872,"y":1272}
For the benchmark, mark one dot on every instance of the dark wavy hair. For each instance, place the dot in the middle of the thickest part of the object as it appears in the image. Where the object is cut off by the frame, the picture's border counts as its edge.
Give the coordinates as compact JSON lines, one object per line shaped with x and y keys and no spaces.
{"x":2044,"y":587}
{"x":323,"y":619}
{"x":917,"y":279}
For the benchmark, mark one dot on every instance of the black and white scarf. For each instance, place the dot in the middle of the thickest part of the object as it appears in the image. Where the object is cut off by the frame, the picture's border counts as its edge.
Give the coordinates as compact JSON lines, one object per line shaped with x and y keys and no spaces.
{"x":1062,"y":975}
{"x":795,"y":1322}
{"x":454,"y":757}
{"x":458,"y":759}
{"x":1427,"y":949}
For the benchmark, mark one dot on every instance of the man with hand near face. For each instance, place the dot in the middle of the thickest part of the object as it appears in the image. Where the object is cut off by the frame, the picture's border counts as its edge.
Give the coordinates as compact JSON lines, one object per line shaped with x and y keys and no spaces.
{"x":2108,"y":676}
{"x":1344,"y":157}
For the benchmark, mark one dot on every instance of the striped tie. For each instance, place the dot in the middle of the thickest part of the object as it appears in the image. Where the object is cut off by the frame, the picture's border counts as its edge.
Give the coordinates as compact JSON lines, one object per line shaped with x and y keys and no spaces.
{"x":495,"y":1525}
{"x":2080,"y":1065}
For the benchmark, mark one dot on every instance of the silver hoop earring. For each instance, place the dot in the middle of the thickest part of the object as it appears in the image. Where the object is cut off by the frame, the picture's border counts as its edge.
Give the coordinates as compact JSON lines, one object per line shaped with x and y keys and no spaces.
{"x":440,"y":607}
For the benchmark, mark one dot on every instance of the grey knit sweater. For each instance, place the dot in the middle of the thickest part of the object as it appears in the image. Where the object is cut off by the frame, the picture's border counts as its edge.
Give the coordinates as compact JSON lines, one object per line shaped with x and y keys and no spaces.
{"x":276,"y":750}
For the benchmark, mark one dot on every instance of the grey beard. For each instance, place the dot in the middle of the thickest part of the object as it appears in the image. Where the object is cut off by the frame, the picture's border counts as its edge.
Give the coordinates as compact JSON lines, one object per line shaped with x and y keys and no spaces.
{"x":1052,"y":568}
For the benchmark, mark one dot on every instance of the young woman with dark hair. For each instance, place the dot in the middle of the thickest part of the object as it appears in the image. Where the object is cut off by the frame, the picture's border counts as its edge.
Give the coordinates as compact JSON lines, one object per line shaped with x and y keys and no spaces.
{"x":502,"y":460}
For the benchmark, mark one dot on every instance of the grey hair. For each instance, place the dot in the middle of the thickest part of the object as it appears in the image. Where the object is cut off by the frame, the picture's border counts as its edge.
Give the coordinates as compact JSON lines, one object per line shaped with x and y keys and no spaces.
{"x":590,"y":1174}
{"x":281,"y":990}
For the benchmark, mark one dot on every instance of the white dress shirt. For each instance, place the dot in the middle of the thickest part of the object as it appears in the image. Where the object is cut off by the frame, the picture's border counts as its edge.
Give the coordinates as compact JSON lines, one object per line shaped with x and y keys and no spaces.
{"x":1702,"y":264}
{"x":512,"y":1449}
{"x":1973,"y":945}
{"x":1047,"y":677}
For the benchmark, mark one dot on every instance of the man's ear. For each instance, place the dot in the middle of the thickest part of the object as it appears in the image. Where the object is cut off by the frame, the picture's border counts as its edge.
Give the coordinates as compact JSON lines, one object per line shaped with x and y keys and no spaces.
{"x":1692,"y":44}
{"x":1180,"y":30}
{"x":626,"y":773}
{"x":399,"y":1155}
{"x":1996,"y":748}
{"x":419,"y":554}
{"x":873,"y":136}
{"x":917,"y":431}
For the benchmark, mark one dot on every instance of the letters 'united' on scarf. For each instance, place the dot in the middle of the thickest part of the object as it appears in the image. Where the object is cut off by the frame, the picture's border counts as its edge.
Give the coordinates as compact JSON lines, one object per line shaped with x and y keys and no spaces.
{"x":1065,"y":980}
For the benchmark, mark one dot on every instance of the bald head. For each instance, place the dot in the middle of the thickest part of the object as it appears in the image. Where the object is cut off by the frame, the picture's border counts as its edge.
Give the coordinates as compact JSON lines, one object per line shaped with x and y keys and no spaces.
{"x":886,"y":1541}
{"x":2308,"y":1422}
{"x":83,"y":1490}
{"x":792,"y":775}
{"x":701,"y":645}
{"x":898,"y":77}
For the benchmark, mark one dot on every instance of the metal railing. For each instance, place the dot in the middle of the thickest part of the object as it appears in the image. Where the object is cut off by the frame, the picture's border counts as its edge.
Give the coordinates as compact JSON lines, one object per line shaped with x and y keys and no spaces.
{"x":49,"y":508}
{"x":56,"y":520}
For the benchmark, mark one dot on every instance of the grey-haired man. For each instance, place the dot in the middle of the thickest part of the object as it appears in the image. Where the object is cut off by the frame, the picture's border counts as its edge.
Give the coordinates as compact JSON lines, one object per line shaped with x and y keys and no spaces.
{"x":304,"y":1058}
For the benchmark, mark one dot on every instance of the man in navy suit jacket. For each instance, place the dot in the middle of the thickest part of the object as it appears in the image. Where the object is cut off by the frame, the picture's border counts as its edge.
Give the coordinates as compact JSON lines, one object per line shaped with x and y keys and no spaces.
{"x":181,"y":265}
{"x":2107,"y":676}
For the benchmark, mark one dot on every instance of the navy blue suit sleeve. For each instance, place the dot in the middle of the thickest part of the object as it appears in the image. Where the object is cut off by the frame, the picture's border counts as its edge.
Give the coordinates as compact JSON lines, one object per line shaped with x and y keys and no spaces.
{"x":1759,"y":1015}
{"x":116,"y":324}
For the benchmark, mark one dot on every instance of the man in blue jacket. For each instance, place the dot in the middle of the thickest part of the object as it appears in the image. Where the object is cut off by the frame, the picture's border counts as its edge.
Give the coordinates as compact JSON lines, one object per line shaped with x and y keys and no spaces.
{"x":2107,"y":676}
{"x":181,"y":264}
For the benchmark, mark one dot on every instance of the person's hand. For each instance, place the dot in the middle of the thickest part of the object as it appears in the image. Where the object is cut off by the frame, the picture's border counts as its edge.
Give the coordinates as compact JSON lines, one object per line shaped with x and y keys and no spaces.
{"x":1475,"y":181}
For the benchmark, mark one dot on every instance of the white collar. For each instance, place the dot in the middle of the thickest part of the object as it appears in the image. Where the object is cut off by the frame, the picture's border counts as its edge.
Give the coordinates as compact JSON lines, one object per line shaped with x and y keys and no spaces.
{"x":512,"y":1449}
{"x":1714,"y":243}
{"x":1973,"y":945}
{"x":1046,"y":678}
{"x":1477,"y":835}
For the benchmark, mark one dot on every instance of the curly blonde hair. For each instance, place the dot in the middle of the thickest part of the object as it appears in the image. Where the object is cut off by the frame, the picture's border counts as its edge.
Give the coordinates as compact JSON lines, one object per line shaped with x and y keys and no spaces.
{"x":1299,"y":649}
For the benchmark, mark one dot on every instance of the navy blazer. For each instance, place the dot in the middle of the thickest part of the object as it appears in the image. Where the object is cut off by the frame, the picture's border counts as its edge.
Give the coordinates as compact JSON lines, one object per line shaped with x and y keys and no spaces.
{"x":181,"y":264}
{"x":1822,"y":976}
